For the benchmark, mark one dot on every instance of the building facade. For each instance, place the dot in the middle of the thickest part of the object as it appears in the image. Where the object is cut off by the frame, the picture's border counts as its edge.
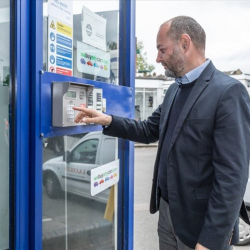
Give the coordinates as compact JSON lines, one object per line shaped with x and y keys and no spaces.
{"x":150,"y":91}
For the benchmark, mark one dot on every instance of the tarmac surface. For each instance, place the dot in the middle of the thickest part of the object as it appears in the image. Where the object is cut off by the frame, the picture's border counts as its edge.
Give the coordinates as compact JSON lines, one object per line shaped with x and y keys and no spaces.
{"x":145,"y":224}
{"x":85,"y":218}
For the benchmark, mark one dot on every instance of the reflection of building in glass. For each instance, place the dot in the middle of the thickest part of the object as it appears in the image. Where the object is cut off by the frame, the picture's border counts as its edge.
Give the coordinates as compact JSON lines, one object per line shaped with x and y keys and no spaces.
{"x":150,"y":91}
{"x":149,"y":94}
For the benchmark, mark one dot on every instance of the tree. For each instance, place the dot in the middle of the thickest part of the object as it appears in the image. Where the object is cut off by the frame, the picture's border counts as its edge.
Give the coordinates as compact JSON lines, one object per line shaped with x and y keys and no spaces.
{"x":141,"y":59}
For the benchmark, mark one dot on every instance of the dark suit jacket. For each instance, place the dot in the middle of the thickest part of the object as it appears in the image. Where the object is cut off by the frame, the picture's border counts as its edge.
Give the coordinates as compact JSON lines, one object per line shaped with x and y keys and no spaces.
{"x":208,"y":160}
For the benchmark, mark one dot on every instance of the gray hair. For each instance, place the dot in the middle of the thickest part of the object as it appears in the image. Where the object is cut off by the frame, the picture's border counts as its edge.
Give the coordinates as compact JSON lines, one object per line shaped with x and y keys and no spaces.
{"x":187,"y":25}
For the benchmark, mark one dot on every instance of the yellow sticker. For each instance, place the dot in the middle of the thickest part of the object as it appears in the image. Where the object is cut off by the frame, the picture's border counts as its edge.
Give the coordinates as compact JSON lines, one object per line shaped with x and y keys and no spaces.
{"x":64,"y":29}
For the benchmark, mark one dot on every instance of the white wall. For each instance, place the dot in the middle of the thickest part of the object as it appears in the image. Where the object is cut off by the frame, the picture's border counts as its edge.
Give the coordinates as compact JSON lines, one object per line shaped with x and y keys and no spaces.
{"x":244,"y":79}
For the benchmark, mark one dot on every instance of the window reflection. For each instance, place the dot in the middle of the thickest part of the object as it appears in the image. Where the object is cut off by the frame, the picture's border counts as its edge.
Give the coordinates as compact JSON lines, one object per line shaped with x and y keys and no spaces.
{"x":85,"y":152}
{"x":145,"y":103}
{"x":71,"y":215}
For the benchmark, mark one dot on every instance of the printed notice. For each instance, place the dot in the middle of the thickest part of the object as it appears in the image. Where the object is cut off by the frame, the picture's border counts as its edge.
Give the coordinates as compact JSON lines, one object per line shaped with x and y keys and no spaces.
{"x":93,"y":29}
{"x":104,"y":177}
{"x":61,"y":10}
{"x":60,"y":47}
{"x":60,"y":37}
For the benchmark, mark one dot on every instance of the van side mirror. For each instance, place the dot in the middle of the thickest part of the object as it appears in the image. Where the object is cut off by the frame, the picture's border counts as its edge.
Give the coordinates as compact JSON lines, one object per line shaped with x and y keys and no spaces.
{"x":66,"y":157}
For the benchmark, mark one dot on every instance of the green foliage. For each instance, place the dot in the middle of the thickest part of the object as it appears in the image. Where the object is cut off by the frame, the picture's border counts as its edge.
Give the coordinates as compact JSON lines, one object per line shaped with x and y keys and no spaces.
{"x":141,"y":59}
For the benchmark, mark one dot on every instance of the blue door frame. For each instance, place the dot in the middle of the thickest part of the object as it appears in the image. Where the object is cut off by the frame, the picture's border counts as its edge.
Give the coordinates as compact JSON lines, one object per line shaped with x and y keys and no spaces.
{"x":19,"y":123}
{"x":26,"y":157}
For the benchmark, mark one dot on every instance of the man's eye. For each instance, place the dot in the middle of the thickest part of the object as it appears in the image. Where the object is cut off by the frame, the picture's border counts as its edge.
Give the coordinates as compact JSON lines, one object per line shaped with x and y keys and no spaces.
{"x":162,"y":51}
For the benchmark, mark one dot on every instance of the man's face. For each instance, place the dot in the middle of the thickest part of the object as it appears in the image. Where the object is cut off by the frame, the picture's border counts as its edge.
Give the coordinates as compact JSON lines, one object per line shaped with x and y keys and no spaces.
{"x":170,"y":54}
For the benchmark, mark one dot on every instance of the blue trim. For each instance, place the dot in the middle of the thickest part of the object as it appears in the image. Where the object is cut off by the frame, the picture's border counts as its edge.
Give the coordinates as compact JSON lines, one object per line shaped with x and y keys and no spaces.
{"x":36,"y":53}
{"x":113,"y":93}
{"x":126,"y":148}
{"x":20,"y":162}
{"x":129,"y":150}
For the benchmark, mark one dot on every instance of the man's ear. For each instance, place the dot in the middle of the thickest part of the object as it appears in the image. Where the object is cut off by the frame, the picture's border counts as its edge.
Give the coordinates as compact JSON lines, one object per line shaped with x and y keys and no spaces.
{"x":185,"y":41}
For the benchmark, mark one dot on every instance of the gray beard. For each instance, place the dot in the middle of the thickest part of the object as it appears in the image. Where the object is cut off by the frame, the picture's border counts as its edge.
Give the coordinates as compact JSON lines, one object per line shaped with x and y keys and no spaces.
{"x":169,"y":73}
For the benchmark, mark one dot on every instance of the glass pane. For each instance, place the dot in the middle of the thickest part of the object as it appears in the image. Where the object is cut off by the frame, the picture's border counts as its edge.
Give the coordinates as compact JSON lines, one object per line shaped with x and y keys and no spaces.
{"x":150,"y":103}
{"x":72,"y":217}
{"x":4,"y":122}
{"x":95,"y":41}
{"x":139,"y":106}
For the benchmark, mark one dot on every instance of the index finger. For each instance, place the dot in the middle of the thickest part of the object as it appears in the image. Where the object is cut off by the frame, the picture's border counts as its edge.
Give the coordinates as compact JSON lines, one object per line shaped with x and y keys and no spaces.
{"x":85,"y":110}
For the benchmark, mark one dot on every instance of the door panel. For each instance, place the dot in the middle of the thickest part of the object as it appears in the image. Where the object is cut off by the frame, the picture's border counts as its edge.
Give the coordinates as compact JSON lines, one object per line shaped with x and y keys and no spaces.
{"x":70,"y":213}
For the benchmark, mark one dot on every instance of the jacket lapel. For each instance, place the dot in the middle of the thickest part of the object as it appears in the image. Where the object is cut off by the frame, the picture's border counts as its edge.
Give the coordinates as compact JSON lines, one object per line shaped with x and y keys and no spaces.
{"x":198,"y":88}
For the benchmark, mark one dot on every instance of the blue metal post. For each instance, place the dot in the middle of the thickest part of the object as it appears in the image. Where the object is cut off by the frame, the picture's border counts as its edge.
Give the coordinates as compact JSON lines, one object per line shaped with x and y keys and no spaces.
{"x":126,"y":152}
{"x":19,"y":124}
{"x":36,"y":53}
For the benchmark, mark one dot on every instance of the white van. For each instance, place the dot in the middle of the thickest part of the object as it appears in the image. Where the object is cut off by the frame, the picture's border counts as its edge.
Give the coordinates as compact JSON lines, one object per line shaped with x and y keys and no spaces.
{"x":71,"y":172}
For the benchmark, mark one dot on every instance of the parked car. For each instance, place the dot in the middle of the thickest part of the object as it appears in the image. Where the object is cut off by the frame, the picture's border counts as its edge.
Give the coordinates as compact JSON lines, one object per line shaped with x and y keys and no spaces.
{"x":93,"y":150}
{"x":244,"y":228}
{"x":90,"y":63}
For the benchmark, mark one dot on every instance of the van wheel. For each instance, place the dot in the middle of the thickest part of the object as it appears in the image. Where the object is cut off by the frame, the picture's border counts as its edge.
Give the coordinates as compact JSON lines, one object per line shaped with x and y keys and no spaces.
{"x":244,"y":233}
{"x":52,"y":185}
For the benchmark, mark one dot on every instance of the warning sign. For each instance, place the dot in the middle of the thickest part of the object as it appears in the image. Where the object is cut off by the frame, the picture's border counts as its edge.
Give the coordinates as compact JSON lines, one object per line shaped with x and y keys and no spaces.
{"x":52,"y":69}
{"x":52,"y":25}
{"x":60,"y":47}
{"x":60,"y":37}
{"x":64,"y":29}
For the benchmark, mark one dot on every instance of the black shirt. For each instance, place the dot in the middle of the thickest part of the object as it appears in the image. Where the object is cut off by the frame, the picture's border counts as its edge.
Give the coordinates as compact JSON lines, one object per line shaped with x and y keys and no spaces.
{"x":177,"y":106}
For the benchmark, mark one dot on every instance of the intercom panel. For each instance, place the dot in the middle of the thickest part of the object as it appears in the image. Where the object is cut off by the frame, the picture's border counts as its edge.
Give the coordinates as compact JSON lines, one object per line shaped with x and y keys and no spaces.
{"x":95,"y":100}
{"x":65,"y":96}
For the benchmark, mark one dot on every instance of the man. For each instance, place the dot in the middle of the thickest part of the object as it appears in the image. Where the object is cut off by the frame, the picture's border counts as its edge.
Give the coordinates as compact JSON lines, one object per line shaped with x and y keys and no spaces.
{"x":203,"y":128}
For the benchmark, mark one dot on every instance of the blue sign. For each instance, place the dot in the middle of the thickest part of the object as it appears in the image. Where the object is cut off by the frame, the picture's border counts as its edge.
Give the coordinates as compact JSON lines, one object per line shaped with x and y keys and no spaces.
{"x":61,"y":51}
{"x":52,"y":36}
{"x":52,"y":59}
{"x":60,"y":61}
{"x":52,"y":47}
{"x":64,"y":41}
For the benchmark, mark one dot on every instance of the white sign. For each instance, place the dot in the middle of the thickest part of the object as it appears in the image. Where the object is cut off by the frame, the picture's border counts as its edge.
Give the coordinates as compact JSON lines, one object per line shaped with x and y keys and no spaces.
{"x":93,"y":29}
{"x":60,"y":47}
{"x":92,"y":61}
{"x":62,"y":10}
{"x":104,"y":177}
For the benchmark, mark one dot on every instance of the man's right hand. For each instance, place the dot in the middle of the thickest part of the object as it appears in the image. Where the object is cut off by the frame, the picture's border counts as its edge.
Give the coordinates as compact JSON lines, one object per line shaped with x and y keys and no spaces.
{"x":92,"y":116}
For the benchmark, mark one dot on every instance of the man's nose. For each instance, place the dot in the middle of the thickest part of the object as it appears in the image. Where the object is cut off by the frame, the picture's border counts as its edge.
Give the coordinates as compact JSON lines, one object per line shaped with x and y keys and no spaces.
{"x":158,"y":58}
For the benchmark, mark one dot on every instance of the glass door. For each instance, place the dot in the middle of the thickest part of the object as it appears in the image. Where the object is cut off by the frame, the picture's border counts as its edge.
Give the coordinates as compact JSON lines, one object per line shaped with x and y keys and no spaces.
{"x":84,"y":43}
{"x":4,"y":122}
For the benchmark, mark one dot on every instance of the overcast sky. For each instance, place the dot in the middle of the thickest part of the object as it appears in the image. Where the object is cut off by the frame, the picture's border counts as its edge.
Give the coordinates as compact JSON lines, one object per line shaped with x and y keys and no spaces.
{"x":226,"y":23}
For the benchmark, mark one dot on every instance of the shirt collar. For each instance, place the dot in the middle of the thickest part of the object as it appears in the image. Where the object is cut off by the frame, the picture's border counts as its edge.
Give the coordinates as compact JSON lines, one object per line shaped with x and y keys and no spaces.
{"x":193,"y":74}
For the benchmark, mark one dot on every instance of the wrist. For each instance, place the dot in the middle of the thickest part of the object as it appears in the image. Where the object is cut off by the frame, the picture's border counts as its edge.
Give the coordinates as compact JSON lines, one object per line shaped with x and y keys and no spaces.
{"x":108,"y":120}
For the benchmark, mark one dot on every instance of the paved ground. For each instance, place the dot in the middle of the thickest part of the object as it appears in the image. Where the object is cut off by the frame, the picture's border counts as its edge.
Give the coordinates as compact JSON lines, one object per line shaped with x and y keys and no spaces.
{"x":145,"y":224}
